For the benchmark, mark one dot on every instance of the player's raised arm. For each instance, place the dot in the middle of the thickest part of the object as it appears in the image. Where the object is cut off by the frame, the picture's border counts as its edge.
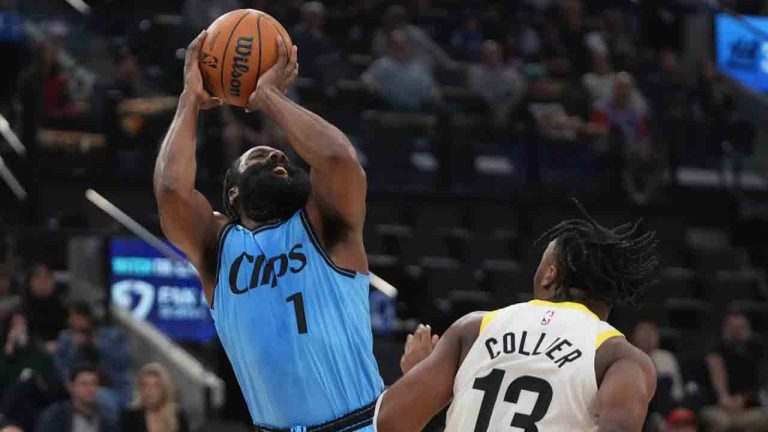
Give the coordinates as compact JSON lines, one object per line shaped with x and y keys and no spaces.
{"x":337,"y":203}
{"x":186,"y":216}
{"x":427,"y":388}
{"x":627,"y":387}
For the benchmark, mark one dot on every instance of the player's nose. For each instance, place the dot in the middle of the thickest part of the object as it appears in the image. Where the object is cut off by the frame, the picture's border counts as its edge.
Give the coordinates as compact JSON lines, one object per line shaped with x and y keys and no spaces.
{"x":278,"y":157}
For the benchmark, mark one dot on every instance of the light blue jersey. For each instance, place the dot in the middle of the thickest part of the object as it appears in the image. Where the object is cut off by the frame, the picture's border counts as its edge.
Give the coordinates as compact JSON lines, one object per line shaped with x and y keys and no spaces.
{"x":295,"y":327}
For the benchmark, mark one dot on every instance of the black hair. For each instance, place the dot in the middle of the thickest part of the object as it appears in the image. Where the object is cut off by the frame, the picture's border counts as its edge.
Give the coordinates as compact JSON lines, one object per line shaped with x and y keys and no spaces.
{"x":610,"y":265}
{"x":231,"y":178}
{"x":82,"y":308}
{"x":82,"y":368}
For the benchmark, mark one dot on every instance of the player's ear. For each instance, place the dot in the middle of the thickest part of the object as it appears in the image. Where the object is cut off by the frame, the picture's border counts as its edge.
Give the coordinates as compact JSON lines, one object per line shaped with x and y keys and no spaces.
{"x":550,"y":274}
{"x":232,"y":195}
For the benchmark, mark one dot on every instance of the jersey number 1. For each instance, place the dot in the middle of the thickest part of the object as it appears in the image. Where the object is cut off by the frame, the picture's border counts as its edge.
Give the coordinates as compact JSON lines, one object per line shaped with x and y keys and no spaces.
{"x":491,"y":384}
{"x":298,"y":307}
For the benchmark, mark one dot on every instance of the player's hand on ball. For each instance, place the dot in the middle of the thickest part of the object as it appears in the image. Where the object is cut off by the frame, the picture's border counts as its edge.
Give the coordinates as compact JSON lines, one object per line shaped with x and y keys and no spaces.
{"x":278,"y":77}
{"x":418,"y":346}
{"x":193,"y":80}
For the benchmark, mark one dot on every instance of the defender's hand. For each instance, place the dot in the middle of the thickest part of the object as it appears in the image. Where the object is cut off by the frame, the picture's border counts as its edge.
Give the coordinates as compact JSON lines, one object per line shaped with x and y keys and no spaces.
{"x":418,"y":346}
{"x":278,"y":77}
{"x":193,"y":80}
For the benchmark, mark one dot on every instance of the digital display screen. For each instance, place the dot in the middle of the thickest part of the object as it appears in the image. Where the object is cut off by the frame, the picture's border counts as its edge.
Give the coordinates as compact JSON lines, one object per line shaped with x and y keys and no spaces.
{"x":160,"y":290}
{"x":741,"y":45}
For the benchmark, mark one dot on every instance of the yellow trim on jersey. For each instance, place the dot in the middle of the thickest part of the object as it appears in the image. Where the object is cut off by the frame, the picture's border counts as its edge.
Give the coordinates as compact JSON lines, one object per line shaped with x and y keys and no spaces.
{"x":487,"y":320}
{"x":567,"y":305}
{"x":604,"y":336}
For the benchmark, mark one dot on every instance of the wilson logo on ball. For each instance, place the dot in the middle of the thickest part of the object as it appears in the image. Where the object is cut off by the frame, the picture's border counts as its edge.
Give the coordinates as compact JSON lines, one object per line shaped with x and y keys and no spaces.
{"x":240,"y":63}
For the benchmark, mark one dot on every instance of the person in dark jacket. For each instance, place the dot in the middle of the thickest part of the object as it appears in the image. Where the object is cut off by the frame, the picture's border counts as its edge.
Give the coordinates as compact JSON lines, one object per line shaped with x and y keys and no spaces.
{"x":80,"y":413}
{"x":154,"y":408}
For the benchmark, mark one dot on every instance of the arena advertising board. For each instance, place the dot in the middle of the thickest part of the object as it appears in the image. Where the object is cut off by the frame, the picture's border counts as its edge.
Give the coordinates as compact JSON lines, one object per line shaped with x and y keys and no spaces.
{"x":742,"y":49}
{"x":165,"y":292}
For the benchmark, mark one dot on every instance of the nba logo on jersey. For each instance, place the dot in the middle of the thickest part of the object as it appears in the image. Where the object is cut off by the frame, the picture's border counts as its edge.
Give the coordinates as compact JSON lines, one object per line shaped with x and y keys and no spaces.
{"x":547,"y":318}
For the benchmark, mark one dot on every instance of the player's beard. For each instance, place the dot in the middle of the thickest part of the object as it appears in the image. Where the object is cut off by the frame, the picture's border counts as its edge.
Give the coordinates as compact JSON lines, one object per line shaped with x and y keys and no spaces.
{"x":265,"y":196}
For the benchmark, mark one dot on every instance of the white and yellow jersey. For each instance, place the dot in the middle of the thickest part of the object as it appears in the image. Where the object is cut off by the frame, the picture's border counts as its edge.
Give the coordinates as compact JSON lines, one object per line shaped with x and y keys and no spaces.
{"x":532,"y":368}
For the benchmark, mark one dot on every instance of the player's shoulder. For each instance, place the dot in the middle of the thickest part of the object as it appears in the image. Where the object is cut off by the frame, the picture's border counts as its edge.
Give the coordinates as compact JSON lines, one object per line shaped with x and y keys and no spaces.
{"x":619,"y":349}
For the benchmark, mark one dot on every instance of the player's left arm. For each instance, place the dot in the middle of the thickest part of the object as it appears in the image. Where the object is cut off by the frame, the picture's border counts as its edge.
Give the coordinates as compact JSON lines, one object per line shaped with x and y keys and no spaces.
{"x":427,"y":388}
{"x":627,"y":388}
{"x":337,"y":204}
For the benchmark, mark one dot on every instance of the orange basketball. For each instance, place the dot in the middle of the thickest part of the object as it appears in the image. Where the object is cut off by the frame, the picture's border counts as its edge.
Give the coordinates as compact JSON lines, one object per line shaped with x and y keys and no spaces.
{"x":238,"y":48}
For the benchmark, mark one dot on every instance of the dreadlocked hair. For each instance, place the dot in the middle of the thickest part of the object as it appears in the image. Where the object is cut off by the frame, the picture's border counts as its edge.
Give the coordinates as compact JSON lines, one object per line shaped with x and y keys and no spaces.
{"x":231,"y":179}
{"x":611,"y":265}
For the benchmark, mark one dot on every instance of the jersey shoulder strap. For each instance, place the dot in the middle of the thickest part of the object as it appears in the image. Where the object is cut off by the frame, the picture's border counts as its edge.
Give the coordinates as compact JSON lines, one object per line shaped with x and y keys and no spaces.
{"x":605,"y":331}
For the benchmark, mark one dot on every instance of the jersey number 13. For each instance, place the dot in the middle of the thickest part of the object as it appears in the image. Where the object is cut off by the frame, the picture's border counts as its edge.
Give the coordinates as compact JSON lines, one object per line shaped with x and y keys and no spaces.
{"x":491,"y":385}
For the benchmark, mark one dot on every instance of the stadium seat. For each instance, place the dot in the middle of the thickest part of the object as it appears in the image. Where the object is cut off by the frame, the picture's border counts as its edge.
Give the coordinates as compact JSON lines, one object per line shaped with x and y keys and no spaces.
{"x":725,"y":286}
{"x":688,"y":314}
{"x":441,"y":276}
{"x":439,"y":218}
{"x":504,"y":279}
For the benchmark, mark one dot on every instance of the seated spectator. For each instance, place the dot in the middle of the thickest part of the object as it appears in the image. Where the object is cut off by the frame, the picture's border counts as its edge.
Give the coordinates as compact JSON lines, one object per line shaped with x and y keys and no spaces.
{"x":20,"y":354}
{"x":423,"y":48}
{"x":400,"y":78}
{"x":623,"y":109}
{"x":44,"y":308}
{"x":599,"y":81}
{"x":681,"y":420}
{"x":10,"y":301}
{"x":500,"y":86}
{"x":81,"y":413}
{"x":104,"y":347}
{"x":27,"y":378}
{"x":310,"y":36}
{"x":154,"y":408}
{"x":734,"y":371}
{"x":670,"y":390}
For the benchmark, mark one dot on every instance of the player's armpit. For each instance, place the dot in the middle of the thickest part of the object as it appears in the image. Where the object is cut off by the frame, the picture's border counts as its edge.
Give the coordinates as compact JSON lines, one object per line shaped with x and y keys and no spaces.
{"x":626,"y":389}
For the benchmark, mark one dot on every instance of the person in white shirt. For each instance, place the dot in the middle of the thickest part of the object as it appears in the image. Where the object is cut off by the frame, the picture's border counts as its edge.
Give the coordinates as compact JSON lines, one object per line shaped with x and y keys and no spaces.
{"x":499,"y":85}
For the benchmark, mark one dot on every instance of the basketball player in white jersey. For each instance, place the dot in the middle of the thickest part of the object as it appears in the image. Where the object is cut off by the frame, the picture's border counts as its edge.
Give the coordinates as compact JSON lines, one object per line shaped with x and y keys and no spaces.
{"x":552,"y":364}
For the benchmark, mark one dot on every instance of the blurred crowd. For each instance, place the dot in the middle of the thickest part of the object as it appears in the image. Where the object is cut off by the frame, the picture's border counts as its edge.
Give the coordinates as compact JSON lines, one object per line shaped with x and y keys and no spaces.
{"x":581,"y":95}
{"x":62,"y":369}
{"x":594,"y":95}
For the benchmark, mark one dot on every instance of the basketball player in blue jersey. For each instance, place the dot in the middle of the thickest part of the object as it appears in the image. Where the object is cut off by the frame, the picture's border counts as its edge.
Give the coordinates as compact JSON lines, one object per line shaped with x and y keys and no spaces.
{"x":284,"y":271}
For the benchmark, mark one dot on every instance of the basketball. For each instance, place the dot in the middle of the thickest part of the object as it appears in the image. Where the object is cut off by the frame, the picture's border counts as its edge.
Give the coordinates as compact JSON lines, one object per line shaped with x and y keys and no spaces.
{"x":239,"y":47}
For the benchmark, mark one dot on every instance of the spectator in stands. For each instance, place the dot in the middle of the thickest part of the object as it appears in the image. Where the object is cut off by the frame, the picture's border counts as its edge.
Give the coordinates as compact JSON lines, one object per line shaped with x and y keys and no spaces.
{"x":154,"y":408}
{"x":467,"y":39}
{"x":10,"y":301}
{"x":363,"y":17}
{"x":27,"y":377}
{"x":309,"y":35}
{"x":681,"y":420}
{"x":599,"y":81}
{"x":400,"y":78}
{"x":44,"y":307}
{"x":11,"y":427}
{"x":500,"y":86}
{"x":621,"y":44}
{"x":573,"y":33}
{"x":734,"y":374}
{"x":105,"y":347}
{"x":670,"y":389}
{"x":625,"y":110}
{"x":423,"y":48}
{"x":81,"y":413}
{"x":199,"y":14}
